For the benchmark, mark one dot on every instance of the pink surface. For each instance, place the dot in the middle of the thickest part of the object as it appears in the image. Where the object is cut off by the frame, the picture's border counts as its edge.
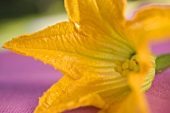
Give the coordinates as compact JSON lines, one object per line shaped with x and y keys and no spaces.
{"x":23,"y":80}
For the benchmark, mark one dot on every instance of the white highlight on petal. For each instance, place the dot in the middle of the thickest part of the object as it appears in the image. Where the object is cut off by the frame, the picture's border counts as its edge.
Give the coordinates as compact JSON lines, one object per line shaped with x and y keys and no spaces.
{"x":77,"y":25}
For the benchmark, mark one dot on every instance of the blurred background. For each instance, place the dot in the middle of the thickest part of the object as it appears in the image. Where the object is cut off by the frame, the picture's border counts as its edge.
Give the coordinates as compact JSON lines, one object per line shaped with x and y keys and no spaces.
{"x":26,"y":16}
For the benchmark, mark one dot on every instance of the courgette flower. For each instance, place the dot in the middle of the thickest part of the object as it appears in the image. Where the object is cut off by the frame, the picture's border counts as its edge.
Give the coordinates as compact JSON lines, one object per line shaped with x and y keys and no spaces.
{"x":105,"y":58}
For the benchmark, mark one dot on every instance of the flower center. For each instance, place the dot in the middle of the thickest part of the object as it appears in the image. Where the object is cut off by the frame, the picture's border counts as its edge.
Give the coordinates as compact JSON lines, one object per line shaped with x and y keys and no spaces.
{"x":127,"y":66}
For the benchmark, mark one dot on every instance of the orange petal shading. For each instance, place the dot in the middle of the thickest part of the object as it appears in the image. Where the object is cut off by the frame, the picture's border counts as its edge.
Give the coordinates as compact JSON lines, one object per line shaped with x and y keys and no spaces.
{"x":150,"y":22}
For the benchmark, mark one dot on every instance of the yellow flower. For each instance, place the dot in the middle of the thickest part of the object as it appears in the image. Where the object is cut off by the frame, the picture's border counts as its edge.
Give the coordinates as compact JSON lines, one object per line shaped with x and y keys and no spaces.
{"x":104,"y":57}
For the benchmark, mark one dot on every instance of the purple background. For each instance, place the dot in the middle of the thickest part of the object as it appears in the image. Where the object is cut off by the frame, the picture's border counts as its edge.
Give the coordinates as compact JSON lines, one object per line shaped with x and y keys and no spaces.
{"x":23,"y":80}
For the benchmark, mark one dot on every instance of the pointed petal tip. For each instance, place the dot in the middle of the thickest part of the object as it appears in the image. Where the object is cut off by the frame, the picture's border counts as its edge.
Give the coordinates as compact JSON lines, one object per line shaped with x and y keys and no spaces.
{"x":10,"y":45}
{"x":5,"y":45}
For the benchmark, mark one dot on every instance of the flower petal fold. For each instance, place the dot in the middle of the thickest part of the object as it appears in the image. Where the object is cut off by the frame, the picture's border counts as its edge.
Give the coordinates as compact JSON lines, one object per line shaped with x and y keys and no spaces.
{"x":95,"y":12}
{"x":102,"y":16}
{"x":92,"y":90}
{"x":150,"y":22}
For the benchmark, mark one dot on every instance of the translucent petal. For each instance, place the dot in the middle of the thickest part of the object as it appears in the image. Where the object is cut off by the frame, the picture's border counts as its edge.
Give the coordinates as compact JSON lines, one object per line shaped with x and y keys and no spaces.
{"x":150,"y":22}
{"x":134,"y":102}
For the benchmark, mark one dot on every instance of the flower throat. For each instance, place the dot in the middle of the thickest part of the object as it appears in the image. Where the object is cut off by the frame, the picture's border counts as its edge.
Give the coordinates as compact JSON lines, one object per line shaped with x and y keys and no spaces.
{"x":127,"y":66}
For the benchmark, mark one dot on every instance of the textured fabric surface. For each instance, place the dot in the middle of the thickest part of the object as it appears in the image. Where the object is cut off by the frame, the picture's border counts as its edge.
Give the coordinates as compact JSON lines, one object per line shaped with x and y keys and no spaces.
{"x":23,"y":80}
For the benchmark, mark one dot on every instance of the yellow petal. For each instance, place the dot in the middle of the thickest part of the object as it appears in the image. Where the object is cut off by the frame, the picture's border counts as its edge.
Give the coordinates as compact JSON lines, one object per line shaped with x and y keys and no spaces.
{"x":70,"y":51}
{"x":112,"y":13}
{"x":94,"y":90}
{"x":150,"y":22}
{"x":101,"y":16}
{"x":108,"y":92}
{"x":96,"y":12}
{"x":135,"y":102}
{"x":137,"y":98}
